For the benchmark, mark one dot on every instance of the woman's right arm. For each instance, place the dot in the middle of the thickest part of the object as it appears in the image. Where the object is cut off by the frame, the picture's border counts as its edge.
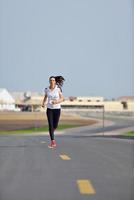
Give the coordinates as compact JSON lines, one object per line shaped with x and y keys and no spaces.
{"x":44,"y":100}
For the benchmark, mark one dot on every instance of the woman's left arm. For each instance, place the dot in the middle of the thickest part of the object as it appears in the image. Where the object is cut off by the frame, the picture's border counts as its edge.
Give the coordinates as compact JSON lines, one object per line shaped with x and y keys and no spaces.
{"x":61,"y":99}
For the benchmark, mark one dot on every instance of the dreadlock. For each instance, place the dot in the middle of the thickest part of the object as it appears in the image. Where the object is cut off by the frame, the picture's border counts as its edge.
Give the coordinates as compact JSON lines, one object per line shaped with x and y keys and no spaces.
{"x":59,"y":80}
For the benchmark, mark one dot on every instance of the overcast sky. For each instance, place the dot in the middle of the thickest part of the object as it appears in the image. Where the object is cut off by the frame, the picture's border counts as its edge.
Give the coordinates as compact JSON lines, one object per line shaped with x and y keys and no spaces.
{"x":89,"y":42}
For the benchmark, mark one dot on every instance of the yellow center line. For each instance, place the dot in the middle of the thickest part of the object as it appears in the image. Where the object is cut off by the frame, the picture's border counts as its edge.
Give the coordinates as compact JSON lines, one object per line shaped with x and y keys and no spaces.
{"x":85,"y":187}
{"x":65,"y":157}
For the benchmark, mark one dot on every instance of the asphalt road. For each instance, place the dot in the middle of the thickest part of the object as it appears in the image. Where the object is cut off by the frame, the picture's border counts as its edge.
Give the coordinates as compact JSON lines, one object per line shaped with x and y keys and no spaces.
{"x":80,"y":167}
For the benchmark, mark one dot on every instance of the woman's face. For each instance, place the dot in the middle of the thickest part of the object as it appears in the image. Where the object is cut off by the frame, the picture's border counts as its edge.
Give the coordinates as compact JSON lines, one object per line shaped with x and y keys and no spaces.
{"x":52,"y":81}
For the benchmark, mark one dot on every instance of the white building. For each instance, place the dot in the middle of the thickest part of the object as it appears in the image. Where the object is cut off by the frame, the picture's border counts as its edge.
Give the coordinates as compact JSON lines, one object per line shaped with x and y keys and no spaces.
{"x":6,"y":100}
{"x":89,"y":99}
{"x":122,"y":105}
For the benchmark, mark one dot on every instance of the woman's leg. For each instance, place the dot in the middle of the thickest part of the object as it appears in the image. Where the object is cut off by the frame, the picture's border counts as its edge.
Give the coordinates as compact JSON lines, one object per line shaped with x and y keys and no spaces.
{"x":50,"y":118}
{"x":56,"y":117}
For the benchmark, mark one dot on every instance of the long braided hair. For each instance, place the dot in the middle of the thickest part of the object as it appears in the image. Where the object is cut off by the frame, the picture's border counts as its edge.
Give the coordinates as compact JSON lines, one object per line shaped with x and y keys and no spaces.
{"x":59,"y":80}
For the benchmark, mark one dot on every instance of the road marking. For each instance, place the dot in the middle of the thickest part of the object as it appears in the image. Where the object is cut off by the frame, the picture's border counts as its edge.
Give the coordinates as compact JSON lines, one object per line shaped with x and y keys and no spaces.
{"x":85,"y":187}
{"x":43,"y":142}
{"x":65,"y":157}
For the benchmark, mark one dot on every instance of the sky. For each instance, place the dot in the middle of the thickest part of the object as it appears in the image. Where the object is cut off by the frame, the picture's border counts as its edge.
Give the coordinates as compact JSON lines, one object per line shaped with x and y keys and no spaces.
{"x":89,"y":42}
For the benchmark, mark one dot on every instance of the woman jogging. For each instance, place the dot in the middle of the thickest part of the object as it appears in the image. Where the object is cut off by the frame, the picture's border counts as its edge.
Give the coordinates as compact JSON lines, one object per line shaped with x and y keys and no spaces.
{"x":52,"y":99}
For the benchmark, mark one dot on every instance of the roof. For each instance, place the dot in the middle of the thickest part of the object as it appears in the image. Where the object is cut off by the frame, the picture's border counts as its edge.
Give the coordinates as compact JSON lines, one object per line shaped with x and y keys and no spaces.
{"x":126,"y":98}
{"x":6,"y":97}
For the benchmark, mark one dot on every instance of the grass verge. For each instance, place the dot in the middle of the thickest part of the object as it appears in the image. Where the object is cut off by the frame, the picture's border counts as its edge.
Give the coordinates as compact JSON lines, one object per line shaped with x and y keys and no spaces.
{"x":37,"y":129}
{"x":130,"y":133}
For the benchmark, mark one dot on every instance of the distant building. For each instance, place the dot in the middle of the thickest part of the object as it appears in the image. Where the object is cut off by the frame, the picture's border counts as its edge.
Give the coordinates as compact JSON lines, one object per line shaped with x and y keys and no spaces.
{"x":89,"y":99}
{"x":31,"y":101}
{"x":28,"y":101}
{"x":127,"y":102}
{"x":7,"y":102}
{"x":119,"y":105}
{"x":126,"y":98}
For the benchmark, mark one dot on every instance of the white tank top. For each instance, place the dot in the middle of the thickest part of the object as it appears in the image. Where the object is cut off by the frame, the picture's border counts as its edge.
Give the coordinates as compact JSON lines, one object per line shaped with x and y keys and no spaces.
{"x":53,"y":95}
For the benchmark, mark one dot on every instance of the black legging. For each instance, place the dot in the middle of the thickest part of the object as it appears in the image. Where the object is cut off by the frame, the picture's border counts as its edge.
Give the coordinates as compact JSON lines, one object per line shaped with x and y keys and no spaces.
{"x":53,"y":116}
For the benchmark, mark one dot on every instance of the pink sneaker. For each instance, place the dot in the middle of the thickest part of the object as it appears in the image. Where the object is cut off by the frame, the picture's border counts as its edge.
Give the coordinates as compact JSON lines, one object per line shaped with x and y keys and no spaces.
{"x":53,"y":143}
